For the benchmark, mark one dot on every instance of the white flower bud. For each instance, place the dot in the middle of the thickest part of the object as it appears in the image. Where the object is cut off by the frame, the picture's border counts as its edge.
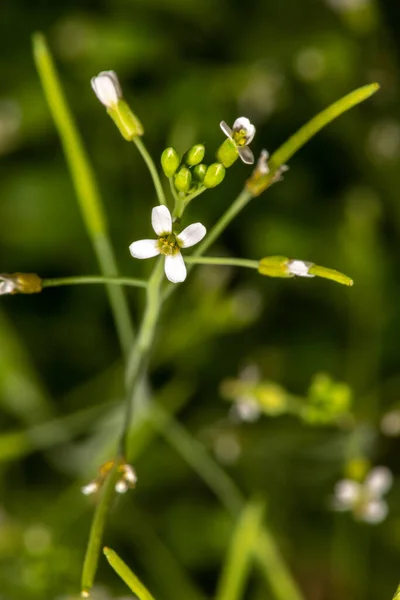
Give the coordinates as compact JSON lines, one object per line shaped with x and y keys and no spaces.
{"x":107,"y":88}
{"x":90,"y":488}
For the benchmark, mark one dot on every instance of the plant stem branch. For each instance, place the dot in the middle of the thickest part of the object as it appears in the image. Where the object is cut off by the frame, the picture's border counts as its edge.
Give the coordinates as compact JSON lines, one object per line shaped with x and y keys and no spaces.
{"x":222,"y":260}
{"x":152,"y":168}
{"x":93,"y":279}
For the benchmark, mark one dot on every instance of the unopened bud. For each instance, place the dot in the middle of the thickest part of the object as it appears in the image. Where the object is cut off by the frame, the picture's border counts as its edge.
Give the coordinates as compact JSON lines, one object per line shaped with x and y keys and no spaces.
{"x":227,"y":153}
{"x":107,"y":88}
{"x":183,"y":180}
{"x":20,"y":283}
{"x":126,"y":121}
{"x":214,"y":175}
{"x":170,"y":161}
{"x":199,"y":172}
{"x":274,"y":266}
{"x":194,"y":155}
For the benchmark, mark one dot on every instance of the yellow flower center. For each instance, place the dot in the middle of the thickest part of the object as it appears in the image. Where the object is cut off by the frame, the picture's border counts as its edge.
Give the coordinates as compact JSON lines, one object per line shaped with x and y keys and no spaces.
{"x":168,"y":244}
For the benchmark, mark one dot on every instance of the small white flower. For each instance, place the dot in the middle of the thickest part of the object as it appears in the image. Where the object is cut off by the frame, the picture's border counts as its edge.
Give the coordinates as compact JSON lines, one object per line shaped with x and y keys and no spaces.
{"x":107,"y":88}
{"x":7,"y":285}
{"x":168,"y":243}
{"x":365,"y":499}
{"x":299,"y":268}
{"x":90,"y":488}
{"x":242,"y":134}
{"x":262,"y":163}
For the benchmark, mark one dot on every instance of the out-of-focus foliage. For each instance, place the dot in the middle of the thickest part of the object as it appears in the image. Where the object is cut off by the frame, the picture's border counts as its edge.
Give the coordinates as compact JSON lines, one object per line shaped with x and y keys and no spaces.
{"x":185,"y":65}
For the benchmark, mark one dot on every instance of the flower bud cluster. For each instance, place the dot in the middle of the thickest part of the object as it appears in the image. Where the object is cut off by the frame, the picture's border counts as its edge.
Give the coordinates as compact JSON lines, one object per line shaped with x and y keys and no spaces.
{"x":190,"y":173}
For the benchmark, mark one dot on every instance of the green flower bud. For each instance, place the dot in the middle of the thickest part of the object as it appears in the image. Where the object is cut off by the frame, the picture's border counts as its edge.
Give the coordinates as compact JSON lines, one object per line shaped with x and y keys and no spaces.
{"x":183,"y":180}
{"x":170,"y":161}
{"x":20,"y":283}
{"x":274,"y":266}
{"x":214,"y":175}
{"x":127,"y":123}
{"x":227,"y":153}
{"x":194,"y":155}
{"x":199,"y":172}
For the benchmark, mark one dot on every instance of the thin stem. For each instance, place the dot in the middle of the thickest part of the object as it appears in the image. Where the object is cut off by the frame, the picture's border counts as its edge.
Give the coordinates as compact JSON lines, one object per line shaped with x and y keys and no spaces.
{"x":85,"y":185}
{"x":138,"y":358}
{"x":96,"y":533}
{"x":93,"y":279}
{"x":175,"y":195}
{"x":152,"y":168}
{"x":222,"y":260}
{"x":238,"y":204}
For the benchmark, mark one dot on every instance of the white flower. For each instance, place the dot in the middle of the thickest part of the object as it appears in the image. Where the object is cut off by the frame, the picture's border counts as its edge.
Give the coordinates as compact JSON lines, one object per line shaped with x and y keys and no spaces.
{"x":168,"y":243}
{"x":107,"y":88}
{"x":127,"y":479}
{"x":242,"y":134}
{"x":299,"y":268}
{"x":8,"y":285}
{"x":365,"y":499}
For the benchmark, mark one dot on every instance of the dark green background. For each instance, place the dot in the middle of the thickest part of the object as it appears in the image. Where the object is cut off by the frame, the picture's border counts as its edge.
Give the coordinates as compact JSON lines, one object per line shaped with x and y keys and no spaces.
{"x":185,"y":65}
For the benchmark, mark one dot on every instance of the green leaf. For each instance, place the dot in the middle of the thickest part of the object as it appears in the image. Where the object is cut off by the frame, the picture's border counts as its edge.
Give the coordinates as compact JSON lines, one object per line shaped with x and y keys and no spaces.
{"x":133,"y":583}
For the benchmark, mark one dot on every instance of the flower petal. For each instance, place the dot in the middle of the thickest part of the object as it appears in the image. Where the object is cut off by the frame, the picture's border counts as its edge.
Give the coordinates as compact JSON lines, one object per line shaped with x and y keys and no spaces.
{"x":244,"y":123}
{"x":299,"y":268}
{"x":246,"y":155}
{"x":175,"y":268}
{"x":107,"y":88}
{"x":144,"y":249}
{"x":379,"y":481}
{"x":375,"y":511}
{"x":161,"y":220}
{"x":226,"y":129}
{"x":347,"y":493}
{"x":191,"y":235}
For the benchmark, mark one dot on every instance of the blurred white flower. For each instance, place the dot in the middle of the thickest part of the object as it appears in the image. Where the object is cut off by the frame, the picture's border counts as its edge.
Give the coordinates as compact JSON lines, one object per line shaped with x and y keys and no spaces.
{"x":390,"y":423}
{"x":168,"y":243}
{"x":127,"y":478}
{"x":365,"y":500}
{"x":8,"y":285}
{"x":242,"y":134}
{"x":107,"y":88}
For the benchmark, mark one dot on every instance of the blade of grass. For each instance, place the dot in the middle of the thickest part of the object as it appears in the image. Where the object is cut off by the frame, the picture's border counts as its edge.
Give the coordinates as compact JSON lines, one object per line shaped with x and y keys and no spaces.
{"x":194,"y":453}
{"x":240,"y":554}
{"x":85,"y":185}
{"x":127,"y":575}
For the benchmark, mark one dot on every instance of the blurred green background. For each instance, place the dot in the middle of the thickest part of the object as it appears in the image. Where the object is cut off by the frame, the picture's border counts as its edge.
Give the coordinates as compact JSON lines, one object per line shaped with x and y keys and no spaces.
{"x":184,"y":66}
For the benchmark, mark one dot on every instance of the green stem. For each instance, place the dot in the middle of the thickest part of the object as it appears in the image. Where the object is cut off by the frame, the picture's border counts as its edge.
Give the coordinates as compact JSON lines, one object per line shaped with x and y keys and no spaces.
{"x":133,"y":583}
{"x":238,"y":561}
{"x":175,"y":195}
{"x":152,"y":168}
{"x":96,"y":533}
{"x":140,"y":352}
{"x":92,"y":279}
{"x":222,"y":260}
{"x":85,"y":185}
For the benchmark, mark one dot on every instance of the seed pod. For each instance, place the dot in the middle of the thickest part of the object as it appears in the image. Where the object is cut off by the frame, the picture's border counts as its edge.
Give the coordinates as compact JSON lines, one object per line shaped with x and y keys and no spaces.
{"x":214,"y":175}
{"x":199,"y":172}
{"x":183,"y":180}
{"x":170,"y":161}
{"x":227,"y":153}
{"x":194,"y":155}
